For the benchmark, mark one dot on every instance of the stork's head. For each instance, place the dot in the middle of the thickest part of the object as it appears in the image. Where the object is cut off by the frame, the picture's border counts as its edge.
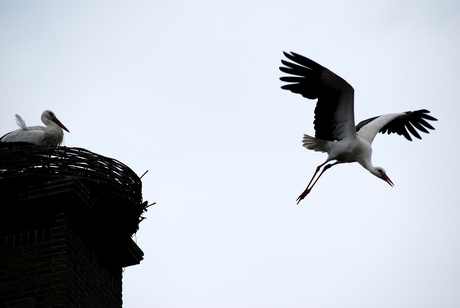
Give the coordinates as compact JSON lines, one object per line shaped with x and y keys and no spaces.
{"x":380,"y":173}
{"x":48,"y":116}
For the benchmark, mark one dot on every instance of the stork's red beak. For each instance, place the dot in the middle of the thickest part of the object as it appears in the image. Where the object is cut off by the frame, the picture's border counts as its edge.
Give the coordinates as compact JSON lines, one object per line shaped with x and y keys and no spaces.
{"x":55,"y":120}
{"x":387,"y":179}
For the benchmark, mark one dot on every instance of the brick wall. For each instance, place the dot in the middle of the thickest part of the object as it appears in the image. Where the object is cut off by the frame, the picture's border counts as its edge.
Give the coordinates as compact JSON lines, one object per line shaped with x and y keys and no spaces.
{"x":50,"y":266}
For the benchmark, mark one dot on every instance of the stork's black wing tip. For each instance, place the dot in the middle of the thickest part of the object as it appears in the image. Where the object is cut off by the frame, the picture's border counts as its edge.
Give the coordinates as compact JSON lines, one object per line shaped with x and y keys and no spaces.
{"x":408,"y":124}
{"x":426,"y":116}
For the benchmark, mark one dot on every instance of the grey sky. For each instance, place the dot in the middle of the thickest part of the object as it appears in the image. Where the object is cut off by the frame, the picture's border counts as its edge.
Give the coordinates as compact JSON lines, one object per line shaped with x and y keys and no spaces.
{"x":190,"y":91}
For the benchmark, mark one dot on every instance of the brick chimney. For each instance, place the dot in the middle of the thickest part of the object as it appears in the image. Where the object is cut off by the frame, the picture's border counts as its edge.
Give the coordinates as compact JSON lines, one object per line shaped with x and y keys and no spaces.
{"x":67,"y":217}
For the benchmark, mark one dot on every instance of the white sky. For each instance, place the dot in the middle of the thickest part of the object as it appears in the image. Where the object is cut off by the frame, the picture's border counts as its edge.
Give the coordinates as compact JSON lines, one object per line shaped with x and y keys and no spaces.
{"x":189,"y":90}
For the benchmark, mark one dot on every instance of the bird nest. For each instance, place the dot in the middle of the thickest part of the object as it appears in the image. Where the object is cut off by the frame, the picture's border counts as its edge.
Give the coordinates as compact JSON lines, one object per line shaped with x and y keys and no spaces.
{"x":114,"y":190}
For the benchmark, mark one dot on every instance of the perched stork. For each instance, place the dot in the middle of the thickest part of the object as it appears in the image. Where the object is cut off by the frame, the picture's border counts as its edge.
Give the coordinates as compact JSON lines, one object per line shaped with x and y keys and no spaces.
{"x":335,"y":130}
{"x":52,"y":134}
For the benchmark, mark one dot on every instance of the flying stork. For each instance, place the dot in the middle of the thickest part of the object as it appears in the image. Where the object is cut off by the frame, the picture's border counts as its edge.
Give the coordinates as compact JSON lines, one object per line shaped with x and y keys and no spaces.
{"x":52,"y":134}
{"x":335,"y":130}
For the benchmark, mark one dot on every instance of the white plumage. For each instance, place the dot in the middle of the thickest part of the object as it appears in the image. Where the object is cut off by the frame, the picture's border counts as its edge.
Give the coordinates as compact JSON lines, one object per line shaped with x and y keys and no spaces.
{"x":52,"y":134}
{"x":335,"y":130}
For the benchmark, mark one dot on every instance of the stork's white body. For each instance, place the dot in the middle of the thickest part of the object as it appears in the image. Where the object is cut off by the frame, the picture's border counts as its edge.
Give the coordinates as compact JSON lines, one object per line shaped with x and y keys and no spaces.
{"x":336,"y":133}
{"x":51,"y":134}
{"x":355,"y":147}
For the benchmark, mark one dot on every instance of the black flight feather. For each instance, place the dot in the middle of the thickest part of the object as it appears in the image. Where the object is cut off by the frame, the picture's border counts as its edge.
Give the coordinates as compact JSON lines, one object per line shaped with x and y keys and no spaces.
{"x":405,"y":124}
{"x":307,"y":82}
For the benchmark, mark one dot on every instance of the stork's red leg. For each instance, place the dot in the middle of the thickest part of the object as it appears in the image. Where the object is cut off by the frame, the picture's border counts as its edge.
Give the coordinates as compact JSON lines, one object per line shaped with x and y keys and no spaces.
{"x":309,"y":188}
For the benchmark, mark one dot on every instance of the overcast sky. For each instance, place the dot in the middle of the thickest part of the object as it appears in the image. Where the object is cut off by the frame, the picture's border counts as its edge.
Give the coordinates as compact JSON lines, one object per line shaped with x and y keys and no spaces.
{"x":190,"y":91}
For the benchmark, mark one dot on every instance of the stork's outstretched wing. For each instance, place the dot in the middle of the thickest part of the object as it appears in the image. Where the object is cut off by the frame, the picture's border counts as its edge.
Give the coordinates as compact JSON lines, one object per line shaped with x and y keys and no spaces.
{"x":334,"y":114}
{"x":401,"y":124}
